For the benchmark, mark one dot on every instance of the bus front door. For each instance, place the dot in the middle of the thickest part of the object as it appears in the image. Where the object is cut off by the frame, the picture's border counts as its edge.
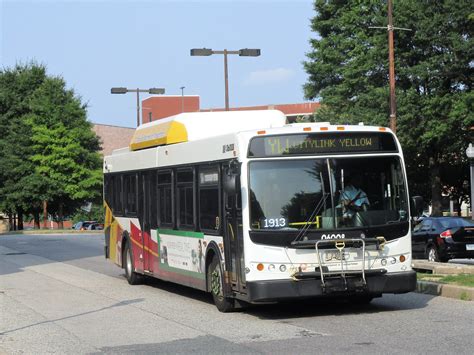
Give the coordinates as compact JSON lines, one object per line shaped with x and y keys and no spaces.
{"x":233,"y":236}
{"x":146,"y":197}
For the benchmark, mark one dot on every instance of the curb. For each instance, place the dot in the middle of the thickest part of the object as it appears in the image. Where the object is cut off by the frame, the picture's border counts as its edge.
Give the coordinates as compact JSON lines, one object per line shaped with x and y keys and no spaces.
{"x":444,"y":290}
{"x":442,"y":268}
{"x":49,"y":231}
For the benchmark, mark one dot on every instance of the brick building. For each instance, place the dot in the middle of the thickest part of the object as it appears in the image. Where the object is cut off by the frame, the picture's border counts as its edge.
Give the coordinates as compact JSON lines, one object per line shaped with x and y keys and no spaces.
{"x":157,"y":107}
{"x":113,"y":137}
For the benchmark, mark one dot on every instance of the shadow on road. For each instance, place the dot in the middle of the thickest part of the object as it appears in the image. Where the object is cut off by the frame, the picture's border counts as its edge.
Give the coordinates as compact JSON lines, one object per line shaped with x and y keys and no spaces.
{"x":339,"y":307}
{"x":305,"y":308}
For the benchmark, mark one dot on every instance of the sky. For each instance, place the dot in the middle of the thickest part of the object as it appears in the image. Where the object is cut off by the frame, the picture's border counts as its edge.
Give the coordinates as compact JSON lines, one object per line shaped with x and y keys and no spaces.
{"x":95,"y":45}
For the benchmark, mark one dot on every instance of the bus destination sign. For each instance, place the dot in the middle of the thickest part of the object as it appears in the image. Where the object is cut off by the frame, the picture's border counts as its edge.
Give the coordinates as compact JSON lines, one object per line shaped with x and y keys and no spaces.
{"x":320,"y":143}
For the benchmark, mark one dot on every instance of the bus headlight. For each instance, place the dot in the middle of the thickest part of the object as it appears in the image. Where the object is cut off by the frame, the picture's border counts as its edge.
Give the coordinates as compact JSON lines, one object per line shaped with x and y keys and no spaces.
{"x":271,"y":267}
{"x":282,"y":268}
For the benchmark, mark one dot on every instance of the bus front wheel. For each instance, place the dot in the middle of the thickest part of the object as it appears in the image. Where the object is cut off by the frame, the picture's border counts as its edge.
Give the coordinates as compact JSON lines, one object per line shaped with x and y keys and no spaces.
{"x":215,"y":283}
{"x":132,"y":277}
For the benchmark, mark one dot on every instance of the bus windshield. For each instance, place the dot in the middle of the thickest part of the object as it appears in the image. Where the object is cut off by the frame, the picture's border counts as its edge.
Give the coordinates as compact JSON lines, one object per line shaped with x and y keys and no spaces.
{"x":327,"y":193}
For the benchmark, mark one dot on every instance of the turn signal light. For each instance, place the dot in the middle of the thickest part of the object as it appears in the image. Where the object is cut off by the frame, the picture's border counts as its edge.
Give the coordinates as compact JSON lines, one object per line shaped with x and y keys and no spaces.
{"x":402,"y":258}
{"x":261,"y":132}
{"x":307,"y":129}
{"x":260,"y":267}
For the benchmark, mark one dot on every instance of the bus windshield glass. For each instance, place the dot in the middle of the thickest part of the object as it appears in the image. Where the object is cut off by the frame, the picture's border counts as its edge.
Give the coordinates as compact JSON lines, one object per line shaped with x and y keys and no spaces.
{"x":327,"y":193}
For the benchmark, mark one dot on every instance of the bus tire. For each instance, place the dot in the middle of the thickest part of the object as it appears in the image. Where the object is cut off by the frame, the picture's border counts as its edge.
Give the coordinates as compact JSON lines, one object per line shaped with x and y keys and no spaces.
{"x":132,"y":277}
{"x":215,"y":283}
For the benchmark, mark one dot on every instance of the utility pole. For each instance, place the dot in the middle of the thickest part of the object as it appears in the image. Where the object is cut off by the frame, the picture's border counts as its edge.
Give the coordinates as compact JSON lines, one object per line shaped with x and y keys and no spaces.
{"x":391,"y":70}
{"x":391,"y":65}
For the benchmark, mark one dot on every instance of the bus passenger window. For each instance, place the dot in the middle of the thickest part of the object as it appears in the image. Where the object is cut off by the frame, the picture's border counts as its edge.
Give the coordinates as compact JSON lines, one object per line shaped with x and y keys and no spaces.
{"x":185,"y":199}
{"x":130,"y":194}
{"x":165,"y":206}
{"x":209,"y":199}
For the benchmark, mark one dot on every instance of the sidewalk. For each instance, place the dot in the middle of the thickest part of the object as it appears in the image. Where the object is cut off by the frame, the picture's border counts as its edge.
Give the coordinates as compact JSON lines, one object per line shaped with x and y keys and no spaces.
{"x":441,"y":289}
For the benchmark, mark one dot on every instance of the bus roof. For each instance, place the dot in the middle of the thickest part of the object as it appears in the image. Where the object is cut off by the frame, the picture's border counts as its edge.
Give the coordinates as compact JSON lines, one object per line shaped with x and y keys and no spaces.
{"x":191,"y":126}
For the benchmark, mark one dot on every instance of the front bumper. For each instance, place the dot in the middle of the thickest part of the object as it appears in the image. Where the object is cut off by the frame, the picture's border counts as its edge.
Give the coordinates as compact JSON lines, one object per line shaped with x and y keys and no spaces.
{"x":278,"y":290}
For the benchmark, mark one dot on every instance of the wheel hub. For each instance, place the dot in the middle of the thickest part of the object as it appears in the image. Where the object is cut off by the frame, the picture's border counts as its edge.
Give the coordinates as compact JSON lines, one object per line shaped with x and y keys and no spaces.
{"x":216,"y":283}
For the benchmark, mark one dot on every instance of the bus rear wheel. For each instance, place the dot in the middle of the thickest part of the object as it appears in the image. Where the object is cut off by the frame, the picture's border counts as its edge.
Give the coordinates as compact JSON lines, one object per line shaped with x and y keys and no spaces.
{"x":215,"y":284}
{"x":132,"y":277}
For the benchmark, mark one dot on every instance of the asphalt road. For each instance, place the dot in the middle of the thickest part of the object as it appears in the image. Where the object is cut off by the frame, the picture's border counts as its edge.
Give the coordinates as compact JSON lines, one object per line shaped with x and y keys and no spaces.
{"x":59,"y":295}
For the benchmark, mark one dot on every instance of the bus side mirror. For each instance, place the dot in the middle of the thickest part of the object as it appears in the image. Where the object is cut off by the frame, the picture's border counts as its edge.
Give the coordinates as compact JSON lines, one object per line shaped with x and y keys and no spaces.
{"x":231,"y":172}
{"x":416,"y":205}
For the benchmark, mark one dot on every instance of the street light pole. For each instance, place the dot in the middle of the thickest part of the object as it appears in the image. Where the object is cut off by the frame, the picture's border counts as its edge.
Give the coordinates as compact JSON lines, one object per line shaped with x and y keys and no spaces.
{"x":182,"y":98}
{"x":153,"y":91}
{"x":138,"y":107}
{"x":205,"y":52}
{"x":226,"y":80}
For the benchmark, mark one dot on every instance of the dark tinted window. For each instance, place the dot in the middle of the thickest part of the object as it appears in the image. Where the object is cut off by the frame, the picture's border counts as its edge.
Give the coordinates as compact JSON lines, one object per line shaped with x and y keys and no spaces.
{"x":130,"y":194}
{"x":185,"y":198}
{"x":165,"y":206}
{"x":117,"y":198}
{"x":209,"y":199}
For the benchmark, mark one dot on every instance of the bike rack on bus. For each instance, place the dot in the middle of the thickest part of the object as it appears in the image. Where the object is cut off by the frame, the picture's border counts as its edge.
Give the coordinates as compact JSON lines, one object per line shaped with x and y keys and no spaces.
{"x":340,"y":245}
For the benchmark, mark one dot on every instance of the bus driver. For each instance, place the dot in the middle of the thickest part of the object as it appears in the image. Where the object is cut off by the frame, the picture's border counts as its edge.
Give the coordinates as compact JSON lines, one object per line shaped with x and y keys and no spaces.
{"x":353,"y":199}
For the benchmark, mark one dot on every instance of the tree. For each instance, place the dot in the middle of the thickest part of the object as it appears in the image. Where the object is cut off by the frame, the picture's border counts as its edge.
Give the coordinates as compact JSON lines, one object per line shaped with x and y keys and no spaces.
{"x":348,"y":70}
{"x":48,"y":151}
{"x":18,"y":183}
{"x":64,"y":149}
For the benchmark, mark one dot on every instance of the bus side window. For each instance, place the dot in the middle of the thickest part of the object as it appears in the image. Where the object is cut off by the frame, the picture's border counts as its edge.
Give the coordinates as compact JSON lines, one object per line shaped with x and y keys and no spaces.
{"x":185,"y":198}
{"x":209,"y":206}
{"x":108,"y":190}
{"x":165,"y":199}
{"x":130,"y":194}
{"x":117,"y":198}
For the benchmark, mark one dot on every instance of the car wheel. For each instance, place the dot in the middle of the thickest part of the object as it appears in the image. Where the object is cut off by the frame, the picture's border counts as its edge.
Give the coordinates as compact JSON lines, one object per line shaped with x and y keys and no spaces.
{"x":432,"y":254}
{"x":132,"y":277}
{"x":215,"y":282}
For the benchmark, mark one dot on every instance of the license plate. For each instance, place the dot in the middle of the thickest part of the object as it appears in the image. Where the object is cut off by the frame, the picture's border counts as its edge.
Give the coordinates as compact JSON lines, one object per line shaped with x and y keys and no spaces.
{"x":335,"y":255}
{"x":469,"y":246}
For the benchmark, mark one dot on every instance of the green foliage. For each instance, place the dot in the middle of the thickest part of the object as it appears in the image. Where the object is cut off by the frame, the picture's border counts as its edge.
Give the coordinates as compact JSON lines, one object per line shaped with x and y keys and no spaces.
{"x":348,"y":72}
{"x":48,"y":151}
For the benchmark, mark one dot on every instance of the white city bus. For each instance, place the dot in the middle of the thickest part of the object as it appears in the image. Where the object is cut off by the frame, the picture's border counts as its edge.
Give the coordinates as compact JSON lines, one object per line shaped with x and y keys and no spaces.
{"x":249,"y":208}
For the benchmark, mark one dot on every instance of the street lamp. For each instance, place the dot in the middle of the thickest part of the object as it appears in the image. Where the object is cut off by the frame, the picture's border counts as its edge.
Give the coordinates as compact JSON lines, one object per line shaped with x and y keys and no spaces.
{"x":153,"y":91}
{"x":470,"y":155}
{"x":182,"y":98}
{"x":205,"y":52}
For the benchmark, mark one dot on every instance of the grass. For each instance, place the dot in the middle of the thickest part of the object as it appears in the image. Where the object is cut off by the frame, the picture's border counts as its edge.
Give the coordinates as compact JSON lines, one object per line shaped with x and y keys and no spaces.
{"x":461,"y":279}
